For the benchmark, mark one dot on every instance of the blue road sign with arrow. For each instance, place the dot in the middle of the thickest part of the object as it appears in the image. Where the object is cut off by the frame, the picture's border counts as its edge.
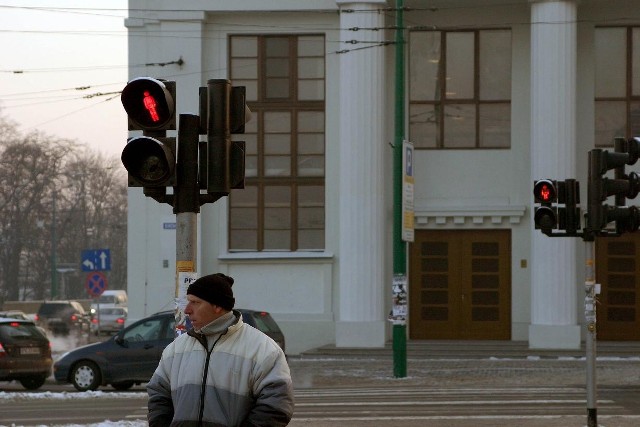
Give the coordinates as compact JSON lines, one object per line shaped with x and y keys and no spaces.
{"x":96,"y":260}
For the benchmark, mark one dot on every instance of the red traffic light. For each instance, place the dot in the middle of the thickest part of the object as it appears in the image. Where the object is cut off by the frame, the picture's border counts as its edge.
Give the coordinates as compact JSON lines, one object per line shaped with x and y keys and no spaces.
{"x":545,"y":191}
{"x":149,"y":104}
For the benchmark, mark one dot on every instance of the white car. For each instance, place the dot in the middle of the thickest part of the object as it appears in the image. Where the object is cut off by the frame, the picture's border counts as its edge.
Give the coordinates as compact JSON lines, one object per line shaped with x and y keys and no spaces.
{"x":108,"y":320}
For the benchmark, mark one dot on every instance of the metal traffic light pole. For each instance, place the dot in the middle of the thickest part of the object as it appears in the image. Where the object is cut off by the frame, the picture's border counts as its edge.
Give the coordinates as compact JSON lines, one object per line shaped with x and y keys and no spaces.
{"x":186,"y":207}
{"x":590,"y":338}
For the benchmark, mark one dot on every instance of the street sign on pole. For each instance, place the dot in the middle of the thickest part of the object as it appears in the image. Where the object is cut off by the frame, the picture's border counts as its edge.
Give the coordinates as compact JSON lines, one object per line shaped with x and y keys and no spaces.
{"x":96,"y":260}
{"x":407,"y":192}
{"x":96,"y":283}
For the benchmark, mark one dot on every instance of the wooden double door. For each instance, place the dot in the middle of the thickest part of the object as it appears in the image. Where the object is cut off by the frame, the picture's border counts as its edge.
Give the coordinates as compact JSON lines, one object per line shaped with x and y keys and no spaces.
{"x":460,"y":285}
{"x":618,"y":272}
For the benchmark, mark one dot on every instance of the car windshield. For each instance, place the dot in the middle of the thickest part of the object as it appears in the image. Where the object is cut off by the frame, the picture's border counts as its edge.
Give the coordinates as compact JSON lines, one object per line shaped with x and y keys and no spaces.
{"x":145,"y":331}
{"x":51,"y":308}
{"x":107,"y":299}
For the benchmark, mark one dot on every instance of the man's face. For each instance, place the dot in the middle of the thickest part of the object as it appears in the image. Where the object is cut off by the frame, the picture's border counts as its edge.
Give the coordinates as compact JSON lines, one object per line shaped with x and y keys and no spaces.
{"x":201,"y":312}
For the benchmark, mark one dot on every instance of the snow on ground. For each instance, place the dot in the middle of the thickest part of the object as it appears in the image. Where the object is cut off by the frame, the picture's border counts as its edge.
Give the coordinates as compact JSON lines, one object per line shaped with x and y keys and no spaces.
{"x":102,"y":424}
{"x":13,"y":396}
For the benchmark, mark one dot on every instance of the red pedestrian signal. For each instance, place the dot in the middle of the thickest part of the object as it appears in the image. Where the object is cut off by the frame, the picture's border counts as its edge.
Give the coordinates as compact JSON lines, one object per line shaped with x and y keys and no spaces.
{"x":544,"y":191}
{"x":545,"y":194}
{"x":150,"y":104}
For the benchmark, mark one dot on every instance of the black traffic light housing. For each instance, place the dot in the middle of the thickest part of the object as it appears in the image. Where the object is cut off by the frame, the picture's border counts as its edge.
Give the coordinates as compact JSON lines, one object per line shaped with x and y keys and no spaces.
{"x":150,"y":159}
{"x":217,"y":165}
{"x":557,"y":206}
{"x":222,"y":161}
{"x":545,"y":194}
{"x":623,"y":186}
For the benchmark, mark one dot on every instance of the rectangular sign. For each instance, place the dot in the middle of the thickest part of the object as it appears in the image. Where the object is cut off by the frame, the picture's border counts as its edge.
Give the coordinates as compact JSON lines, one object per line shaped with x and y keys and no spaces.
{"x":95,"y":260}
{"x":407,"y":192}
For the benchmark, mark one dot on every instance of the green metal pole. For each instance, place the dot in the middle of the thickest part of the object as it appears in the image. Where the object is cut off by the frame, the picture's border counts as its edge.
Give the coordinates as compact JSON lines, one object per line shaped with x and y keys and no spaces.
{"x":54,"y":246}
{"x":399,"y":246}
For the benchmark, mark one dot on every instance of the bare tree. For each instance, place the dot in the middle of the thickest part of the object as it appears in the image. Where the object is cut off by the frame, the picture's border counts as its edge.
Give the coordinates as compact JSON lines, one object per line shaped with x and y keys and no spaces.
{"x":56,"y":199}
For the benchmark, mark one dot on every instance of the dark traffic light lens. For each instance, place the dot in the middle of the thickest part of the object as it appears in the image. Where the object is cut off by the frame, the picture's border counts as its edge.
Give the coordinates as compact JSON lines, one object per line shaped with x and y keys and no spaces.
{"x":150,"y":162}
{"x":545,"y":219}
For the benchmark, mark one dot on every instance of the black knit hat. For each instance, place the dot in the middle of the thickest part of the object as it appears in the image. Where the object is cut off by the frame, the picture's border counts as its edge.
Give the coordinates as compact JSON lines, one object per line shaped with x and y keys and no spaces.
{"x":215,"y":289}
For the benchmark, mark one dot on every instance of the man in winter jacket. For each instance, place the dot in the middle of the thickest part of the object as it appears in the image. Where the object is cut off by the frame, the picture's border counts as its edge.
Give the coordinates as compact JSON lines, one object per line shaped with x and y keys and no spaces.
{"x":222,"y":372}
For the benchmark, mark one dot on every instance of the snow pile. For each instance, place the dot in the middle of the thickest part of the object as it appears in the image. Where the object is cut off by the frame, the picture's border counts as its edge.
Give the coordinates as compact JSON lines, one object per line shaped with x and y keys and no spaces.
{"x":138,"y":423}
{"x":4,"y":395}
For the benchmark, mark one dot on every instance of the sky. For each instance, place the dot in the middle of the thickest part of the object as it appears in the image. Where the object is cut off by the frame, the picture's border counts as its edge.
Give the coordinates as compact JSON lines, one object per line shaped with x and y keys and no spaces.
{"x":61,"y":63}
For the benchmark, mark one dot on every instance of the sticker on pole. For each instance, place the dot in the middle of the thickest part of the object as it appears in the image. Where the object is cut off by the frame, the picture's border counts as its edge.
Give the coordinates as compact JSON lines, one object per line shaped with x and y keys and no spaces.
{"x":96,"y":283}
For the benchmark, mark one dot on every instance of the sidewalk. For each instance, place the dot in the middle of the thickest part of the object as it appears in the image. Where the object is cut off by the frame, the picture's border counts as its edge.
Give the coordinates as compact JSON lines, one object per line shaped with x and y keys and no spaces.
{"x":453,"y":364}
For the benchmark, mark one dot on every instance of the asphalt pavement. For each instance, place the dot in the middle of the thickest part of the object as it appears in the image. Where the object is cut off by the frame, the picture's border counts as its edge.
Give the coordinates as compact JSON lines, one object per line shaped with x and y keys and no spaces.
{"x":442,"y":364}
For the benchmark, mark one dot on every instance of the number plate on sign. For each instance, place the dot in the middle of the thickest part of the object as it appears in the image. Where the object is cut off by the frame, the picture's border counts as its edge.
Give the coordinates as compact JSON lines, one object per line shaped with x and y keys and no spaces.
{"x":29,"y":350}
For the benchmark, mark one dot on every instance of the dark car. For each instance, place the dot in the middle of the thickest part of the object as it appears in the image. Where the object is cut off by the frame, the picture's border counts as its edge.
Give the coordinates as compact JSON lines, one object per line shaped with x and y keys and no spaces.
{"x":61,"y":317}
{"x":263,"y":321}
{"x":132,"y":355}
{"x":25,"y":353}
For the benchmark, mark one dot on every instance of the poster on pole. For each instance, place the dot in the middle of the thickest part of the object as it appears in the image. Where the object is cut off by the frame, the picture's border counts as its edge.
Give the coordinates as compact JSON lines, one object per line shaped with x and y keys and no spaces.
{"x":184,"y":280}
{"x":407,"y":192}
{"x":398,"y":315}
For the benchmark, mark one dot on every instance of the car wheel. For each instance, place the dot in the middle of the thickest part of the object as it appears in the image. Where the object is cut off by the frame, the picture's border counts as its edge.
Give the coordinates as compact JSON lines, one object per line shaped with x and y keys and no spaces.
{"x":85,"y":376}
{"x":33,"y":383}
{"x":125,"y":385}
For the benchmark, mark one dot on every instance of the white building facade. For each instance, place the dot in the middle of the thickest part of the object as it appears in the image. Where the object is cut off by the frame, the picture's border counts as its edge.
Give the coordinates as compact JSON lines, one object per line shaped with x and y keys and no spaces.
{"x":497,"y":94}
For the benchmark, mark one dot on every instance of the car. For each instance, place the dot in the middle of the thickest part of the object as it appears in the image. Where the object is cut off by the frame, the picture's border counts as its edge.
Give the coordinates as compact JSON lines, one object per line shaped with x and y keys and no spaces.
{"x":263,"y":321}
{"x":14,"y":314}
{"x":110,"y":298}
{"x":131,"y":356}
{"x":61,"y":317}
{"x":25,"y":353}
{"x":108,"y":320}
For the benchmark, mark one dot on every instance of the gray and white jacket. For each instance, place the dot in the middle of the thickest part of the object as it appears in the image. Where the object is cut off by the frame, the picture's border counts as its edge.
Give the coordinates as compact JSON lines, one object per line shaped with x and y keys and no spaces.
{"x":227,"y":374}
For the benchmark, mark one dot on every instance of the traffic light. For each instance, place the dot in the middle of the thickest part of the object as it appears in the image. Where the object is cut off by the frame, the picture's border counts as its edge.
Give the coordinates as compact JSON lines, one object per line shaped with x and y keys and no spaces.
{"x":623,"y":185}
{"x":569,"y":216}
{"x":545,"y":194}
{"x":558,"y":206}
{"x":150,"y":104}
{"x":226,"y":114}
{"x":150,"y":159}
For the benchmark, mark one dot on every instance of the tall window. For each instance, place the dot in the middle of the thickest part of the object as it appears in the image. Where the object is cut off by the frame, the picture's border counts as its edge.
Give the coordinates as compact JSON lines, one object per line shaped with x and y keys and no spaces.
{"x":460,"y":89}
{"x":617,"y":91}
{"x":282,"y":205}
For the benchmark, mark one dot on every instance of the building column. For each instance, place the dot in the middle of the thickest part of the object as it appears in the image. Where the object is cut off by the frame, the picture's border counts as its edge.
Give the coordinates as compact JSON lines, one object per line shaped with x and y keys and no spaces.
{"x":553,"y":151}
{"x":361,"y":321}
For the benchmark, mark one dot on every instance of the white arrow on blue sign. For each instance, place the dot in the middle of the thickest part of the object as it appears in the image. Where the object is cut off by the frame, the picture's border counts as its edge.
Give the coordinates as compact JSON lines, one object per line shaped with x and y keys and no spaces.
{"x":96,"y":260}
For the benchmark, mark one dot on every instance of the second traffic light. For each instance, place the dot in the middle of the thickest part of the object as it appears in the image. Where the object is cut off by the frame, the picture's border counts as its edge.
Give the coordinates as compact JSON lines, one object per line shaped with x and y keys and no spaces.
{"x":221,"y":159}
{"x":623,"y":186}
{"x":557,"y":205}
